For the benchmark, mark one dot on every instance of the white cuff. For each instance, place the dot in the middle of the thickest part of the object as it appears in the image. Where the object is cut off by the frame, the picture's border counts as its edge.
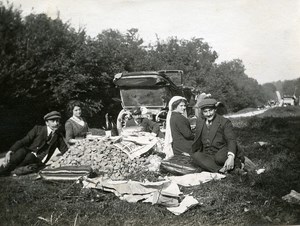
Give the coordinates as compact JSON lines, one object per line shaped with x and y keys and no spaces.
{"x":231,"y":153}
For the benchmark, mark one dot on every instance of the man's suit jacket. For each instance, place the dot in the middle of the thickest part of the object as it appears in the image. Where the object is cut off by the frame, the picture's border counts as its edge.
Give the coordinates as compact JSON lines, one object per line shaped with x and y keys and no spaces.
{"x":221,"y":135}
{"x":36,"y":141}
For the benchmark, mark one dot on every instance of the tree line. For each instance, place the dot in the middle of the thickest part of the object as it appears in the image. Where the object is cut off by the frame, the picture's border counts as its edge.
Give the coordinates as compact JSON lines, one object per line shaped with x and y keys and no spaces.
{"x":46,"y":62}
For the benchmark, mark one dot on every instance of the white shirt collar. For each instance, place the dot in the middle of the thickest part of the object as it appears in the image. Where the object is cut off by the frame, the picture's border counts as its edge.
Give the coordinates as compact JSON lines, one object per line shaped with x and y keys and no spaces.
{"x":49,"y":130}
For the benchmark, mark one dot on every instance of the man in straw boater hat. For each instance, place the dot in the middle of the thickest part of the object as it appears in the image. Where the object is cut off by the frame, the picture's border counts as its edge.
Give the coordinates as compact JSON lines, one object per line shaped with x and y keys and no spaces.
{"x":215,"y":147}
{"x":37,"y":147}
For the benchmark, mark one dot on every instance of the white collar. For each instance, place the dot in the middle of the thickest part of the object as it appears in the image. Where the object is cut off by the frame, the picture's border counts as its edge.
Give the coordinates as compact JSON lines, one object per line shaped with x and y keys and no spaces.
{"x":49,"y":130}
{"x":210,"y":121}
{"x":77,"y":120}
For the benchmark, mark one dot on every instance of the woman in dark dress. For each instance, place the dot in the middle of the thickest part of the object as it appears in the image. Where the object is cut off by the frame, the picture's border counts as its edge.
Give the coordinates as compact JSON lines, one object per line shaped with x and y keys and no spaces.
{"x":179,"y":136}
{"x":76,"y":127}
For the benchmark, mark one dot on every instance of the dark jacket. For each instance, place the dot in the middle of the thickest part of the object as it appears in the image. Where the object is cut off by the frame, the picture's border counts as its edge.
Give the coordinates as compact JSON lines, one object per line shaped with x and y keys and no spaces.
{"x":182,"y":134}
{"x":221,"y":135}
{"x":36,"y":141}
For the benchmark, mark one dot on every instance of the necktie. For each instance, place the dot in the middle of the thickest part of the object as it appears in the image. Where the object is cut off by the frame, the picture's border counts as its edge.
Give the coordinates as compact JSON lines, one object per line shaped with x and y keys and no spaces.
{"x":208,"y":123}
{"x":42,"y":152}
{"x":49,"y":136}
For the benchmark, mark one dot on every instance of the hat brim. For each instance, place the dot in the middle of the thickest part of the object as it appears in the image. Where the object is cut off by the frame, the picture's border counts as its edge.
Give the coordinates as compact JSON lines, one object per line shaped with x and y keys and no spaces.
{"x":52,"y":117}
{"x":208,"y":106}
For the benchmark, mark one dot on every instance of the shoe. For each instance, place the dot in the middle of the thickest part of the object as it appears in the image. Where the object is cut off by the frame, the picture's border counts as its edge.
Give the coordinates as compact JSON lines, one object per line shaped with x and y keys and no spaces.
{"x":4,"y":172}
{"x":249,"y":166}
{"x":222,"y":170}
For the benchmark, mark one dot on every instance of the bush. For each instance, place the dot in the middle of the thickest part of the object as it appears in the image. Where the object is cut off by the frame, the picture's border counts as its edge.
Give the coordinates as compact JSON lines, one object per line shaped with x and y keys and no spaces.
{"x":267,"y":124}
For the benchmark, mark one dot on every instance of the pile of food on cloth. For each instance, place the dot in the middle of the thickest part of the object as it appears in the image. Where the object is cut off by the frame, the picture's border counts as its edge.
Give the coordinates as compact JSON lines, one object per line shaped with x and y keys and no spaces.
{"x":118,"y":157}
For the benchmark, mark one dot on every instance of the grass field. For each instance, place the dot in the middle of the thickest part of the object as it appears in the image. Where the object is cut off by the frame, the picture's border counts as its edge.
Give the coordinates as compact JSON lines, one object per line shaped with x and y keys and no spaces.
{"x":235,"y":200}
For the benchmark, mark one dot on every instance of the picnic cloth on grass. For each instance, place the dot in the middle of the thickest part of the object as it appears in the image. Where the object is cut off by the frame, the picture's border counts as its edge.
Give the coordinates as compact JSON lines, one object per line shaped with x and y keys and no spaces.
{"x":187,"y":203}
{"x":195,"y":178}
{"x":166,"y":192}
{"x":66,"y":172}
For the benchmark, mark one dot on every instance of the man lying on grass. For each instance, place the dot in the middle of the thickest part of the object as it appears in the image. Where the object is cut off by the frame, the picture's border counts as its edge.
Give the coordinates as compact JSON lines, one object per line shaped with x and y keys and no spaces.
{"x":37,"y":147}
{"x":215,"y":148}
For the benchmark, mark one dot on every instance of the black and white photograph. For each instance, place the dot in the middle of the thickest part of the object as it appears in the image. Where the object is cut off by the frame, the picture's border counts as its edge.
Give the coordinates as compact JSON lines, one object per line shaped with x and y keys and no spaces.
{"x":139,"y":112}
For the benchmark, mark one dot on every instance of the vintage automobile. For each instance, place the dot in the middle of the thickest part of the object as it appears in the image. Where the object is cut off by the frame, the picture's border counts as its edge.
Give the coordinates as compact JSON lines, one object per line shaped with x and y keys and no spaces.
{"x":152,"y":90}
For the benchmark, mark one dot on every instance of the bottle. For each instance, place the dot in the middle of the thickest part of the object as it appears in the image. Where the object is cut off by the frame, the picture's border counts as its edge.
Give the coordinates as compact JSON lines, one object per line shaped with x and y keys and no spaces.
{"x":107,"y":126}
{"x":114,"y":129}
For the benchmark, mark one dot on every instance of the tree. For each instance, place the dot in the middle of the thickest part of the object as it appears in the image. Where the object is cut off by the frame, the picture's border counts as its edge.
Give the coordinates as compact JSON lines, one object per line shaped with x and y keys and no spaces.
{"x":46,"y":59}
{"x":246,"y":91}
{"x":270,"y":91}
{"x":290,"y":87}
{"x":194,"y":57}
{"x":10,"y":29}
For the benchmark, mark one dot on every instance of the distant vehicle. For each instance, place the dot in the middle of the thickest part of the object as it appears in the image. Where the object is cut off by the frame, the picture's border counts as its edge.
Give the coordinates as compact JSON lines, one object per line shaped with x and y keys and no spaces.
{"x":260,"y":107}
{"x":288,"y":101}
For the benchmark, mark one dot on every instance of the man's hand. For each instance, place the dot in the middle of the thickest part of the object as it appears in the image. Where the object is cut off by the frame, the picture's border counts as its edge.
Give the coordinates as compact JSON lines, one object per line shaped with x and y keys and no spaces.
{"x":229,"y":164}
{"x":7,"y":158}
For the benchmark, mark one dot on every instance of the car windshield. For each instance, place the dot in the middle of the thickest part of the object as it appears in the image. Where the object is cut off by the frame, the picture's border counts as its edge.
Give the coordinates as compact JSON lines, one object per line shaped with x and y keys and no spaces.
{"x":145,"y":97}
{"x":175,"y":77}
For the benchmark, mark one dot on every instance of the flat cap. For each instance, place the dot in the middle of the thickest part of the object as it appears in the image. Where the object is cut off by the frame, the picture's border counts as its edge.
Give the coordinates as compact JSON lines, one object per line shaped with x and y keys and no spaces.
{"x":209,"y":102}
{"x":52,"y":115}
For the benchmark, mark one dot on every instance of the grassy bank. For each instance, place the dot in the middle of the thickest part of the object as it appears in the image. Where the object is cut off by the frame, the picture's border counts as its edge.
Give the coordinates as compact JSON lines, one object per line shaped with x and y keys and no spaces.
{"x":235,"y":200}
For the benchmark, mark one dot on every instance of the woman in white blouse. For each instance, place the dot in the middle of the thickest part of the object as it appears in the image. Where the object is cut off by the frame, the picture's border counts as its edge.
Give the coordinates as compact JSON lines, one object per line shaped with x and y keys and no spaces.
{"x":76,"y":127}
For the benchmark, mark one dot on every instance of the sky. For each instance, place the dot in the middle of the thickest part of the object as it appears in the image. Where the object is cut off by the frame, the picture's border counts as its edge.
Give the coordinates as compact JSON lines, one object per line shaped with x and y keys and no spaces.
{"x":264,"y":34}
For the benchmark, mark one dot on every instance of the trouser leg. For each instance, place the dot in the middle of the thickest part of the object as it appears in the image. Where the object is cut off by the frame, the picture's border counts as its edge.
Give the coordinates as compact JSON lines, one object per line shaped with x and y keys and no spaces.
{"x":222,"y":155}
{"x":214,"y":162}
{"x":30,"y":159}
{"x":240,"y":154}
{"x":206,"y":161}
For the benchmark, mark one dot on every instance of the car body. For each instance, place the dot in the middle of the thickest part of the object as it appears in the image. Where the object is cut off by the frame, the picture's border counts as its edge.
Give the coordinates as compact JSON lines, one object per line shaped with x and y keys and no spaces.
{"x":151,"y":90}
